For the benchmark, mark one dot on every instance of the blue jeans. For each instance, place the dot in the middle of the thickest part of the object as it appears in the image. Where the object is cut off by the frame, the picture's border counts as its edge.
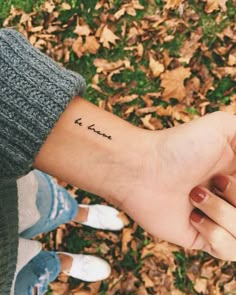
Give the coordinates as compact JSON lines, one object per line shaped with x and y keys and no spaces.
{"x":55,"y":206}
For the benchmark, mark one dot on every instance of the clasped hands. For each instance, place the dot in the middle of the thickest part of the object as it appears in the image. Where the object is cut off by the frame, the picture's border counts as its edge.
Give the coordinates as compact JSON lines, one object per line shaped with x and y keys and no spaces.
{"x":171,"y":182}
{"x":189,"y":198}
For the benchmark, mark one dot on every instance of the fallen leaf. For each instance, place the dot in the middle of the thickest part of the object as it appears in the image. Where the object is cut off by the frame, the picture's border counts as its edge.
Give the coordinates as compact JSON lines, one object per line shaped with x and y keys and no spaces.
{"x":59,"y":288}
{"x":126,"y":98}
{"x":173,"y":83}
{"x":148,"y":283}
{"x":127,"y":236}
{"x":124,"y":218}
{"x":190,"y":46}
{"x":171,"y":4}
{"x":155,"y":66}
{"x":82,"y":30}
{"x":212,"y":5}
{"x":129,"y":8}
{"x":107,"y":37}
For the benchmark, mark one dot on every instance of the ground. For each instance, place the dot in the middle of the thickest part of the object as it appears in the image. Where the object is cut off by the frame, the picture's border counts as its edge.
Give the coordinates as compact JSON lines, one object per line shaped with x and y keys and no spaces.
{"x":156,"y":64}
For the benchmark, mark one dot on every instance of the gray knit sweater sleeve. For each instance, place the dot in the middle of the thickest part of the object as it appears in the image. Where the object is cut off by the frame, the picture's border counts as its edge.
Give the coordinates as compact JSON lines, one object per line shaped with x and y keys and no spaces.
{"x":34,"y":91}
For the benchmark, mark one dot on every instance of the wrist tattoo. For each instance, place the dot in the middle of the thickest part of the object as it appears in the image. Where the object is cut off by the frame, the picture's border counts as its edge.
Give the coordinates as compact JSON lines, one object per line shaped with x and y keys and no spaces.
{"x":92,"y":128}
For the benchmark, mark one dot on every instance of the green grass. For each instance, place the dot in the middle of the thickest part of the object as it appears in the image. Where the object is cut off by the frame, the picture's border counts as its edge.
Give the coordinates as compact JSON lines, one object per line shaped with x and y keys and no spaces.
{"x":26,"y":5}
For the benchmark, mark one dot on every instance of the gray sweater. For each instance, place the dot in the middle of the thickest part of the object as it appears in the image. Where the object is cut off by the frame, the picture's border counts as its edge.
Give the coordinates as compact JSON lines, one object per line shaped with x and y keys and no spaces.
{"x":34,"y":91}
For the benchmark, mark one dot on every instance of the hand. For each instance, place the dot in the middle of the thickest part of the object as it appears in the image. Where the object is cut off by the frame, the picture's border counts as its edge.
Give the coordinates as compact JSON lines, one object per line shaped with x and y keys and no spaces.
{"x":181,"y":158}
{"x":217,"y":225}
{"x":149,"y":174}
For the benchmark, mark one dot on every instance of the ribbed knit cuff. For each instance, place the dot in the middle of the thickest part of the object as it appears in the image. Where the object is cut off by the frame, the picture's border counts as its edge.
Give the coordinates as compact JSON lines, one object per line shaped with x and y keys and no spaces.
{"x":34,"y":91}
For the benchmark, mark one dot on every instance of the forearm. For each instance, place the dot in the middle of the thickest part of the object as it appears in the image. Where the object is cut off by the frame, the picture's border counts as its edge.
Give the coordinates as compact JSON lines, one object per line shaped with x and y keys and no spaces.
{"x":91,"y":149}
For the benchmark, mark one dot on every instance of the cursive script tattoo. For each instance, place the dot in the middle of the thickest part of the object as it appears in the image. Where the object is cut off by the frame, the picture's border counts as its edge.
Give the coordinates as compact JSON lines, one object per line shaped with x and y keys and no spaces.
{"x":93,"y":128}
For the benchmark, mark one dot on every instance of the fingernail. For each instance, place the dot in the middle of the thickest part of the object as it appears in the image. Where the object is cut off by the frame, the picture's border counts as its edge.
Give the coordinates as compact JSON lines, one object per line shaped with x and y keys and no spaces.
{"x":220,"y":182}
{"x":198,"y":194}
{"x":196,"y":216}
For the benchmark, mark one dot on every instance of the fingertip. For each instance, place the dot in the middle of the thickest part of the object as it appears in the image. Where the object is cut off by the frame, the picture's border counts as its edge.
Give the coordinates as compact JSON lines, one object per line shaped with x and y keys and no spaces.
{"x":220,"y":182}
{"x":197,"y":216}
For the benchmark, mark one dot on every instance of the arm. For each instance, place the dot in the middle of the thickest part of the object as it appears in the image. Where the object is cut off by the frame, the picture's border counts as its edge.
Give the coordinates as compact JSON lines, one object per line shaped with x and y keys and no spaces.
{"x":149,"y":174}
{"x":94,"y":150}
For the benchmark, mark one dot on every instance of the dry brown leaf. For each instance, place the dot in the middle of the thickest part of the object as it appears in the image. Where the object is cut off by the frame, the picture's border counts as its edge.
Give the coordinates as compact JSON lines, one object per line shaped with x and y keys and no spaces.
{"x":146,"y":122}
{"x":59,"y":288}
{"x":231,"y":108}
{"x":148,"y":283}
{"x":173,"y":83}
{"x":82,"y":30}
{"x":146,"y":110}
{"x":105,"y":66}
{"x":232,"y":59}
{"x":142,"y":291}
{"x":189,"y":47}
{"x":108,"y":37}
{"x":48,"y":6}
{"x":91,"y":45}
{"x":212,"y":5}
{"x":126,"y":98}
{"x":221,"y":72}
{"x":171,"y":4}
{"x":129,"y":8}
{"x":155,"y":66}
{"x":124,"y":218}
{"x":200,"y":285}
{"x":230,"y":287}
{"x":65,"y":6}
{"x":82,"y":292}
{"x":127,"y":236}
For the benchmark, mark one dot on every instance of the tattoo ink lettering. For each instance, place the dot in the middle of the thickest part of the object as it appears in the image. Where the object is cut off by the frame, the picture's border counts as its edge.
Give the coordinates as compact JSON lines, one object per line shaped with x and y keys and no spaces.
{"x":78,"y":121}
{"x":92,"y":128}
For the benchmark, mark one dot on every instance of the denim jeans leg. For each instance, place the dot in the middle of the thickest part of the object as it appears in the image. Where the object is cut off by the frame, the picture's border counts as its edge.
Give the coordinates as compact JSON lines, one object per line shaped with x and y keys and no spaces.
{"x":55,"y":206}
{"x":38,"y":273}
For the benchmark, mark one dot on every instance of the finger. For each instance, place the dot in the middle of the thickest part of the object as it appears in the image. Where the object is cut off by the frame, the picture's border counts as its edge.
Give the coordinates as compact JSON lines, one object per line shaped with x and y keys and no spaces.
{"x":217,"y":209}
{"x":218,"y":242}
{"x":225,"y":186}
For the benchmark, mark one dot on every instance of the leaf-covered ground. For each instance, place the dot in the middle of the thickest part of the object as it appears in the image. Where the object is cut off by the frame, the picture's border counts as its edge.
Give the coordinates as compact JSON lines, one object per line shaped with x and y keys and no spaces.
{"x":156,"y":64}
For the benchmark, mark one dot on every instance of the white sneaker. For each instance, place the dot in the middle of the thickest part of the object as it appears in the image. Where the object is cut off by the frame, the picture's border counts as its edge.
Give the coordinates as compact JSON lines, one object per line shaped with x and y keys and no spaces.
{"x":103,"y":217}
{"x":88,"y":268}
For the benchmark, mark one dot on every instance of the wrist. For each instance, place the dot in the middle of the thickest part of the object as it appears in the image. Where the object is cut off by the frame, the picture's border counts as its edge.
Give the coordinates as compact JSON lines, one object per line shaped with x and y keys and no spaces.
{"x":96,"y":151}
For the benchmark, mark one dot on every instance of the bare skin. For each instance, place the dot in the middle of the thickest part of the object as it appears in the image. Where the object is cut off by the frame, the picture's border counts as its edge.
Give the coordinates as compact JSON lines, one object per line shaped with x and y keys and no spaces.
{"x":82,"y":215}
{"x":215,"y":217}
{"x":66,"y":262}
{"x":148,"y":174}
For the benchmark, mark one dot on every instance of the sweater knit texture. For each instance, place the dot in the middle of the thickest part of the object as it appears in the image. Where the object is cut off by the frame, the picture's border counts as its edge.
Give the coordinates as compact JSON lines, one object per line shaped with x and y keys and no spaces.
{"x":34,"y":92}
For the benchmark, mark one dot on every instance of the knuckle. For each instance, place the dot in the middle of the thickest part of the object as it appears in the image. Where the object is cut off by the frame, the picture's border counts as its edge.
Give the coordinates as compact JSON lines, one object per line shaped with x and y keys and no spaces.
{"x":215,"y":239}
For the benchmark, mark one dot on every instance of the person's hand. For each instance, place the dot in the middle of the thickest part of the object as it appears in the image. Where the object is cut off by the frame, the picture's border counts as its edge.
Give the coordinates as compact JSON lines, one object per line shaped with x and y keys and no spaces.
{"x":148,"y":174}
{"x":215,"y":217}
{"x":181,"y":158}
